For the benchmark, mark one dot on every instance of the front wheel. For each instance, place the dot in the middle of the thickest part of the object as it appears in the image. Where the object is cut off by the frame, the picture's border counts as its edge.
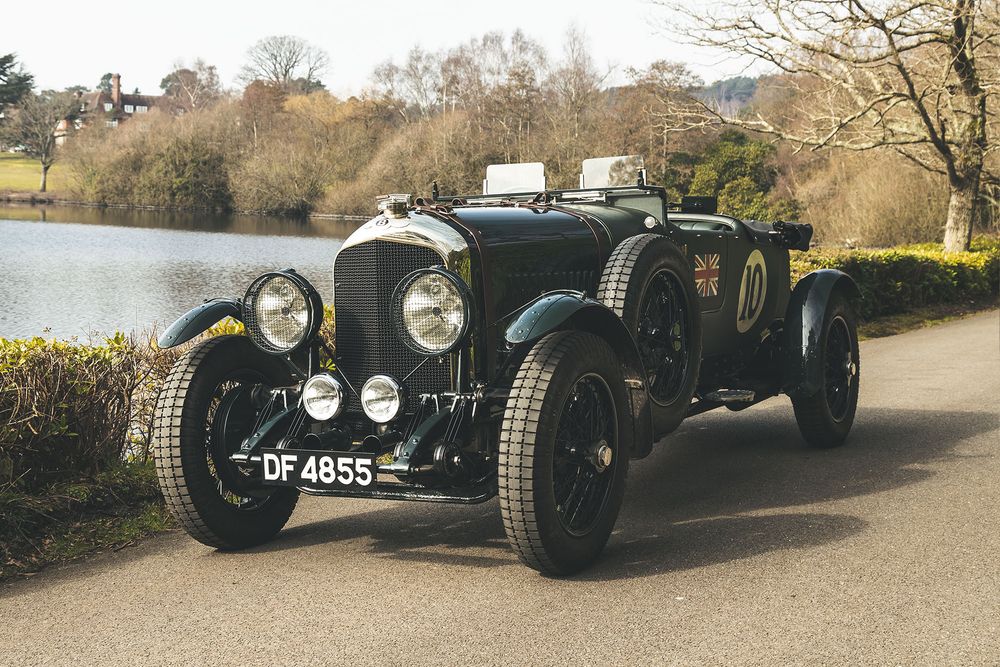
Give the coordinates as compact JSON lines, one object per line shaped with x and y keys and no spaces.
{"x":208,"y":405}
{"x":826,"y":417}
{"x":563,"y":453}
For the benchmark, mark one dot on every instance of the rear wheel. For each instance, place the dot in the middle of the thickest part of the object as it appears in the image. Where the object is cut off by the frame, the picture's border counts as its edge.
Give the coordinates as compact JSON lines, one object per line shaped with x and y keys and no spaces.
{"x":208,"y":405}
{"x":650,"y":285}
{"x":563,"y":458}
{"x":825,"y":418}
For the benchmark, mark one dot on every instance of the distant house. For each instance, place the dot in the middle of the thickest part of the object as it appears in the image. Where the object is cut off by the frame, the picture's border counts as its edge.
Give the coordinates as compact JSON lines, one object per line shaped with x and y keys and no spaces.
{"x":112,"y":108}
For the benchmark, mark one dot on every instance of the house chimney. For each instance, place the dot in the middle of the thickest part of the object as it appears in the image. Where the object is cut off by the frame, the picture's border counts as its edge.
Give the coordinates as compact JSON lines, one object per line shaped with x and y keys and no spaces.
{"x":116,"y":90}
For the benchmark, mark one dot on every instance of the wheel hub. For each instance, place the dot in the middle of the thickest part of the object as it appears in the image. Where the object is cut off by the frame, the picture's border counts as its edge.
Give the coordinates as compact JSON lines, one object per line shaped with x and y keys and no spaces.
{"x":603,"y":455}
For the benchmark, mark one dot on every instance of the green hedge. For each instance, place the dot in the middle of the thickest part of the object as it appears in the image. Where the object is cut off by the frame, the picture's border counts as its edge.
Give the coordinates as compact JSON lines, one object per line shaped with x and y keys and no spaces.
{"x":70,"y":410}
{"x":895,"y":280}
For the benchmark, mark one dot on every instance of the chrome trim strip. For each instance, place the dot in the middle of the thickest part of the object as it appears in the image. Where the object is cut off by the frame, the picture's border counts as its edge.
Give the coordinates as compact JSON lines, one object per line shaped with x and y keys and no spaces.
{"x":418,"y":229}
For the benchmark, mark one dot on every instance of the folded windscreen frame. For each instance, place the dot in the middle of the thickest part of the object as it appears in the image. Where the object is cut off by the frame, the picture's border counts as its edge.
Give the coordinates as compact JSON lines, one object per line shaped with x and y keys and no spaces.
{"x":514,"y":178}
{"x":609,"y":172}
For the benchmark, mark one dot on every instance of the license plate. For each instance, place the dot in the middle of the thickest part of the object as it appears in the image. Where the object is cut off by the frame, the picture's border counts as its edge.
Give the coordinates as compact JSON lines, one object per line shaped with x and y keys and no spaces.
{"x":318,"y":469}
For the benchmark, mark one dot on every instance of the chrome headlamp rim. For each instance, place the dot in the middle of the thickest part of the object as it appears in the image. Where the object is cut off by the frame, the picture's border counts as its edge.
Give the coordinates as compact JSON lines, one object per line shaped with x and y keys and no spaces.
{"x":338,"y":389}
{"x":399,"y":392}
{"x":314,"y":311}
{"x":465,"y":293}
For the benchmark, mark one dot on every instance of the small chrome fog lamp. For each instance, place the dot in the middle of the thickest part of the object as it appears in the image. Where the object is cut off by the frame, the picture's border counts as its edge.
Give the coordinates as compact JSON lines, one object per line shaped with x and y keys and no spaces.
{"x":323,"y":397}
{"x":382,"y":399}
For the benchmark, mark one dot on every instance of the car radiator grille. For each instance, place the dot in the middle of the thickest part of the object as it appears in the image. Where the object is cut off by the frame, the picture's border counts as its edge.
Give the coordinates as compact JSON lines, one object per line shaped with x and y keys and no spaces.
{"x":365,"y":277}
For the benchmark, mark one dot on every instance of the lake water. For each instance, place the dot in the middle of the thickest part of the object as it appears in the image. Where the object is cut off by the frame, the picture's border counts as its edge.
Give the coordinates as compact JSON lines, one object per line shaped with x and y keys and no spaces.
{"x":74,"y":271}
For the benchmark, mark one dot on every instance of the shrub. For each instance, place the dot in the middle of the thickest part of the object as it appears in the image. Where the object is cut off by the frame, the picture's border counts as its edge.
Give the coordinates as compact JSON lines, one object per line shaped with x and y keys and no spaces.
{"x":71,"y":410}
{"x":66,"y":407}
{"x":281,"y":178}
{"x":740,"y":172}
{"x":156,"y":161}
{"x":899,"y":279}
{"x":185,"y":172}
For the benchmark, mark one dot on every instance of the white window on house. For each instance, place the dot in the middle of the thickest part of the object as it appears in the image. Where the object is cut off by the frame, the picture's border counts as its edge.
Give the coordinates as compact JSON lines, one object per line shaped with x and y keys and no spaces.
{"x":108,"y":106}
{"x":129,"y":108}
{"x":141,"y":108}
{"x":111,"y":123}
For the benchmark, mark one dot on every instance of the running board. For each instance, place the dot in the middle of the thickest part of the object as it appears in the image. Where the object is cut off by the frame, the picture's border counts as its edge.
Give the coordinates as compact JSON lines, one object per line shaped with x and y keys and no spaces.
{"x":726,"y":396}
{"x":734,"y":399}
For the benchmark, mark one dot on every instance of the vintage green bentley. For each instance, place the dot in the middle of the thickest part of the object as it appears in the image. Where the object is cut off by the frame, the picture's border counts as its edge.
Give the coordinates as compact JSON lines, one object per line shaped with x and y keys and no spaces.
{"x":527,"y":343}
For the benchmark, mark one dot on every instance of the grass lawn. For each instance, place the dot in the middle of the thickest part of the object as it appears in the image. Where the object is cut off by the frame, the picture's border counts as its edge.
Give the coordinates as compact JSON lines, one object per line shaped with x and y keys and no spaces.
{"x":21,"y":174}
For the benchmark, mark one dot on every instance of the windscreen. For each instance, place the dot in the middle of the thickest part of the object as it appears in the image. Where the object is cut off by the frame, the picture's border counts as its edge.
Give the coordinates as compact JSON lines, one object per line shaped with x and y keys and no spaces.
{"x":607,"y":172}
{"x":508,"y":178}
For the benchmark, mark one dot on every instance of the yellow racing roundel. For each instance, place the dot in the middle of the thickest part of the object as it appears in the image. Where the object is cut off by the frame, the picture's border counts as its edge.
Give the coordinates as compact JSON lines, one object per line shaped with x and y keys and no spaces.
{"x":753,"y":292}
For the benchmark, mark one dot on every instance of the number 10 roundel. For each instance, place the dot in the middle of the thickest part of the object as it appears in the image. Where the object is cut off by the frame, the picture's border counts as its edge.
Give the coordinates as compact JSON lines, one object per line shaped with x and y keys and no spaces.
{"x":753,"y":291}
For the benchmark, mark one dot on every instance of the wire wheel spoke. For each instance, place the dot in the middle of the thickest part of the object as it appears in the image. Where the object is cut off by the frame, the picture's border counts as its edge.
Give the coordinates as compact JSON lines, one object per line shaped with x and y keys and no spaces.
{"x":663,"y":336}
{"x":217,"y":454}
{"x":588,"y":422}
{"x":839,"y":368}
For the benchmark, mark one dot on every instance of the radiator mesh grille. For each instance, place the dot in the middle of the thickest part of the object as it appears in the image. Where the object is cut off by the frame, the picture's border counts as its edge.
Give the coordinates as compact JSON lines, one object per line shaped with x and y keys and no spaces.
{"x":365,"y":276}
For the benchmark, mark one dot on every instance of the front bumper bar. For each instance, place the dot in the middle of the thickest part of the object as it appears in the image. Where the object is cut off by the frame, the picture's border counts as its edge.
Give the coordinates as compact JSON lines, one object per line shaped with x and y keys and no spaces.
{"x":465,"y":495}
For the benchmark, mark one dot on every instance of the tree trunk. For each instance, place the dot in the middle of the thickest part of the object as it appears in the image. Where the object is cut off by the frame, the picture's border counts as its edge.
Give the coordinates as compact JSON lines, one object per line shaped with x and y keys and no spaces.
{"x":961,"y":215}
{"x":962,"y":201}
{"x":45,"y":178}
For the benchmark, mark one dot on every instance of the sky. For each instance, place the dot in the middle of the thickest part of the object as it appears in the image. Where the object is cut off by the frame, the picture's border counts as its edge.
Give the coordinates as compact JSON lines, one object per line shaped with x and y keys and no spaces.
{"x":67,"y":43}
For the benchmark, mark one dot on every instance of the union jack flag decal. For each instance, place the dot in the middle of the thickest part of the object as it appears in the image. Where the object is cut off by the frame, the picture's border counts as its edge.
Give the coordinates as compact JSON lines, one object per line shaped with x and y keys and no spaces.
{"x":706,"y":274}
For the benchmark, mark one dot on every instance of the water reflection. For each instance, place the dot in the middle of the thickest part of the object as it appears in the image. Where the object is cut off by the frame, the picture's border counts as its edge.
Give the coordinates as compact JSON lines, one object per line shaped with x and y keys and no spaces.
{"x":80,"y":270}
{"x":205,"y":221}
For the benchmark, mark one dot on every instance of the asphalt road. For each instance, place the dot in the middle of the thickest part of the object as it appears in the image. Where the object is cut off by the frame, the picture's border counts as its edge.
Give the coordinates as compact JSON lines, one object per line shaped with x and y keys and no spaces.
{"x":736,"y":545}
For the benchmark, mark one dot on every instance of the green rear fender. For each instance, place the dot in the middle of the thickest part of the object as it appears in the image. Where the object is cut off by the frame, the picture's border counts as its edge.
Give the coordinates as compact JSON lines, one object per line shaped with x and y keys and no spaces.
{"x":801,"y":356}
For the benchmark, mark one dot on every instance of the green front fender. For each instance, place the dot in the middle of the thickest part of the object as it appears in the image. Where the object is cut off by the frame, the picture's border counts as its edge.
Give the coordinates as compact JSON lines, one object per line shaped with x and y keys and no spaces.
{"x":574,"y":311}
{"x":199,"y":319}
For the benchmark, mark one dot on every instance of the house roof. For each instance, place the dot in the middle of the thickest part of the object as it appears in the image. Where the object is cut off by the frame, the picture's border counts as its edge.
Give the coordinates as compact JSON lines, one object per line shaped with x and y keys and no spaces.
{"x":143,"y":100}
{"x":96,"y":100}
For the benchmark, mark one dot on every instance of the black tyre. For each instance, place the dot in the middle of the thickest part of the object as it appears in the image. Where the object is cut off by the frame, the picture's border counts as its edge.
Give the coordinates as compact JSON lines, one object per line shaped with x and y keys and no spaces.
{"x":216,"y":502}
{"x":649,"y":283}
{"x":826,"y":417}
{"x":563,"y":453}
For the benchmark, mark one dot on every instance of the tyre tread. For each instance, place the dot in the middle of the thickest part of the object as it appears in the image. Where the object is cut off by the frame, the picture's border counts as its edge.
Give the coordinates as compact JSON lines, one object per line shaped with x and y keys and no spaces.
{"x":518,"y":437}
{"x":171,"y":458}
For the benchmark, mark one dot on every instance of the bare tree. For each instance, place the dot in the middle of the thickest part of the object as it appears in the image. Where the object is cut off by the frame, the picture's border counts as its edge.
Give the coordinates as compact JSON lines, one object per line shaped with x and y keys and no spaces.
{"x":575,"y":80}
{"x":413,"y":90}
{"x":497,"y":80}
{"x":35,"y":123}
{"x":573,"y":87}
{"x":915,"y":76}
{"x":286,"y":61}
{"x":645,"y":107}
{"x":193,"y":87}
